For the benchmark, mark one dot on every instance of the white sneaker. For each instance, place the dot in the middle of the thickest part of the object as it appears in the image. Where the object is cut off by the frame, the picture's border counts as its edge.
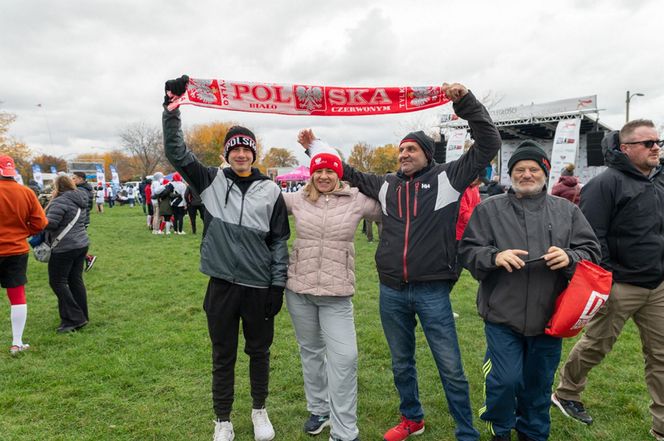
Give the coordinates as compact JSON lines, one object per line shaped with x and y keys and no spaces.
{"x":223,"y":431}
{"x":263,"y":430}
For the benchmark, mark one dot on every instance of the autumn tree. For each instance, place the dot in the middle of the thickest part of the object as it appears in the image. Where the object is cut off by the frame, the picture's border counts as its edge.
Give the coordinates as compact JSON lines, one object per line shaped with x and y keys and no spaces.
{"x":207,"y":143}
{"x":384,"y":159}
{"x":46,"y":161}
{"x":21,"y":154}
{"x":146,"y":145}
{"x":18,"y":150}
{"x":279,"y":157}
{"x":361,"y":156}
{"x":6,"y":120}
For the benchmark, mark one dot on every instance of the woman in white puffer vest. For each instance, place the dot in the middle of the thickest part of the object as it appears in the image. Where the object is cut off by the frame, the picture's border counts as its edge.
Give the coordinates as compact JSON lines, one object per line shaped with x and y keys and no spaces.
{"x":321,"y":282}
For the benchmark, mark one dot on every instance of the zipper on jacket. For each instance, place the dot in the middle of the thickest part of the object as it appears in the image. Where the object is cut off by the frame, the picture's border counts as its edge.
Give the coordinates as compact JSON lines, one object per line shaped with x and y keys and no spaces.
{"x":405,"y":240}
{"x":417,"y":190}
{"x":322,"y":243}
{"x":399,"y":201}
{"x":241,"y":210}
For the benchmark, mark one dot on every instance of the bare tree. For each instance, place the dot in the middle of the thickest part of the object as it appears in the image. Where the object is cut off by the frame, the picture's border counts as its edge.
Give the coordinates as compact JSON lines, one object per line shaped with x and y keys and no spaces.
{"x":145,"y":143}
{"x":491,"y":99}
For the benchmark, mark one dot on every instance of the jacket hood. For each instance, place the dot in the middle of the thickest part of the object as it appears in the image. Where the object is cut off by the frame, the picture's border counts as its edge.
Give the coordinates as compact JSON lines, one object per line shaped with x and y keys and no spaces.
{"x":77,"y":197}
{"x":85,"y":185}
{"x":617,"y":159}
{"x":568,"y":181}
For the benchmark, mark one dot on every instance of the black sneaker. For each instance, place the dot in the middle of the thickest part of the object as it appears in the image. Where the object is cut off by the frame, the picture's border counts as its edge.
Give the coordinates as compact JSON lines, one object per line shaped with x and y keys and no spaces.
{"x":506,"y":437}
{"x":89,"y":263}
{"x":316,"y":423}
{"x":572,"y":409}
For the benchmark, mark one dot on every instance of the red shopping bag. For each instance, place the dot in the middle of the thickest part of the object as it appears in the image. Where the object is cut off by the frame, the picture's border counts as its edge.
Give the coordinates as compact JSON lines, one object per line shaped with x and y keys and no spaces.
{"x":586,"y":293}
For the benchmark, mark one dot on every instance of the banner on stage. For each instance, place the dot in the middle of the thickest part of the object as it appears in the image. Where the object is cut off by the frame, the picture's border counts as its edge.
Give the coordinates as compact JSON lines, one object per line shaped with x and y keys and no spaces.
{"x":565,"y":146}
{"x":300,"y":99}
{"x":455,"y":144}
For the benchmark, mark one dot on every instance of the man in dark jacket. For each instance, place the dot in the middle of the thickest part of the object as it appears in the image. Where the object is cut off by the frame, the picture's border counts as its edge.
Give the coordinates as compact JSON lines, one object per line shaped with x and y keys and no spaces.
{"x":244,"y":251}
{"x":523,"y":247}
{"x":416,"y":259}
{"x":625,"y":206}
{"x":82,"y":184}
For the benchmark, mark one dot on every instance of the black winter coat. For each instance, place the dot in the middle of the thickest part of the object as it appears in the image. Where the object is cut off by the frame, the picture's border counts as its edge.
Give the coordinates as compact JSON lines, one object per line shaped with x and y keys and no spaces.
{"x":626,"y":210}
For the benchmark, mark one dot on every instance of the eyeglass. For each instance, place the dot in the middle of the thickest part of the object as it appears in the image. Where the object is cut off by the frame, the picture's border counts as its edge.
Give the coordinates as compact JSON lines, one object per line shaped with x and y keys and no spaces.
{"x":648,"y":144}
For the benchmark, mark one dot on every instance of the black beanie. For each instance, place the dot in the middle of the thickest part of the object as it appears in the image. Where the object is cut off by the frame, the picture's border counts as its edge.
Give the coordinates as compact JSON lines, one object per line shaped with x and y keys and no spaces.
{"x":239,"y":136}
{"x":424,"y":141}
{"x":529,"y":150}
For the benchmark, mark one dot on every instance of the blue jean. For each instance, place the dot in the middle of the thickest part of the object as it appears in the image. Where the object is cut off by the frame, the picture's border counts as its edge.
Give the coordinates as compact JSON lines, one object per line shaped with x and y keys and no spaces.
{"x":519,"y":374}
{"x":430,"y":302}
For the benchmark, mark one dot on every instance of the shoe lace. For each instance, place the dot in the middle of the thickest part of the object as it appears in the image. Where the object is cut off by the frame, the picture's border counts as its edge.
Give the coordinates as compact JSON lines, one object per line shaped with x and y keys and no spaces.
{"x":260,"y":417}
{"x":578,"y":406}
{"x":223,"y":428}
{"x":406,"y":425}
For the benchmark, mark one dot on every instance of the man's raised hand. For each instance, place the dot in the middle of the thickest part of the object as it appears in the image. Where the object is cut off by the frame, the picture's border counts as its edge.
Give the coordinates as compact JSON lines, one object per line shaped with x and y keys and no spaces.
{"x":454,"y":91}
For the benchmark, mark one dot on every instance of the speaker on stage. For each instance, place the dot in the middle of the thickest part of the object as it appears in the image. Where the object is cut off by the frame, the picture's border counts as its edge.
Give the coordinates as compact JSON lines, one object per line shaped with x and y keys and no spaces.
{"x":595,"y":156}
{"x":440,"y":151}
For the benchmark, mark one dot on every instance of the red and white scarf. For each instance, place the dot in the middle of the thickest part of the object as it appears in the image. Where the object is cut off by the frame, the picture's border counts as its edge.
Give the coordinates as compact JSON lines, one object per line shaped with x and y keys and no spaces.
{"x":299,"y":99}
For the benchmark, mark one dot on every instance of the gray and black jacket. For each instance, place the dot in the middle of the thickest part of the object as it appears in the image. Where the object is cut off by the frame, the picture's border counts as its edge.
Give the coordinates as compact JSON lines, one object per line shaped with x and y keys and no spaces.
{"x":524,"y":299}
{"x":87,"y":188}
{"x":418,"y":239}
{"x":62,"y":210}
{"x":626,"y":210}
{"x":246,"y":221}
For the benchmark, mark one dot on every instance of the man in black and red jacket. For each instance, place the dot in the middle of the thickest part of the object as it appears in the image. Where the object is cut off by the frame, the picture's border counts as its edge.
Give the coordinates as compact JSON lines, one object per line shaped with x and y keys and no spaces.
{"x":417,"y":263}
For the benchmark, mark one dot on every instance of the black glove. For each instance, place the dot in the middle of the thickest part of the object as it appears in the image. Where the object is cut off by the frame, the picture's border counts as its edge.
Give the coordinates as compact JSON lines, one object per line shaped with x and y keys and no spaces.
{"x":274,"y":301}
{"x":177,"y":87}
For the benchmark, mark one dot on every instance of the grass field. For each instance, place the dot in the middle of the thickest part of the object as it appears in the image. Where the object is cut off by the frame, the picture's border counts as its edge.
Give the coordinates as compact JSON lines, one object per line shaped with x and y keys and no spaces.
{"x":141,"y":369}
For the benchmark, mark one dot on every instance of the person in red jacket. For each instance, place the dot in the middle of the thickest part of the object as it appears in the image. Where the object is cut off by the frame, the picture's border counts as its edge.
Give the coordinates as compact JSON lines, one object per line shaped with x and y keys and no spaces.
{"x":568,"y":185}
{"x":469,"y":200}
{"x":21,"y":216}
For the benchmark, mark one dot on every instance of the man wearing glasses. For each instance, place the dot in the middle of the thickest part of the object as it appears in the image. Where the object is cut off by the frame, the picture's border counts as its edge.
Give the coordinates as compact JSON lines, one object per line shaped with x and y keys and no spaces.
{"x":625,"y":207}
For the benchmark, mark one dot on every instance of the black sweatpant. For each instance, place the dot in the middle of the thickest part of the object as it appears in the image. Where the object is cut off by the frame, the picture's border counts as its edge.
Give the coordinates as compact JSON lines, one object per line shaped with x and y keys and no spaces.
{"x":193,"y":211}
{"x":178,"y":216}
{"x":65,"y":275}
{"x":225,"y":304}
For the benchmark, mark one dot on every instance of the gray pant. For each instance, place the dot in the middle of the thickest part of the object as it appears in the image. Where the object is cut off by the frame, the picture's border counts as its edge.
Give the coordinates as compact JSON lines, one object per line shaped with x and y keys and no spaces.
{"x":646,"y":307}
{"x":325,"y":332}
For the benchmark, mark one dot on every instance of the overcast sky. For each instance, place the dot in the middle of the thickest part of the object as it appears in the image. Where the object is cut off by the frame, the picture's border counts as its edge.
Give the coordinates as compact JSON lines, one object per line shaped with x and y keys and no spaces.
{"x":98,"y":66}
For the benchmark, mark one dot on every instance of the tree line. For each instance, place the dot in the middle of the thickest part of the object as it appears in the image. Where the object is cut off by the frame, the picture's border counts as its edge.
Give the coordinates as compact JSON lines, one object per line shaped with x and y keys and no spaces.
{"x":141,"y":152}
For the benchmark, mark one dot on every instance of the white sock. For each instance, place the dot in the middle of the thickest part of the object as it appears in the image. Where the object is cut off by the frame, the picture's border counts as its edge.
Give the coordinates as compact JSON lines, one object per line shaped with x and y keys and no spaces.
{"x":168,"y":227}
{"x":19,"y":313}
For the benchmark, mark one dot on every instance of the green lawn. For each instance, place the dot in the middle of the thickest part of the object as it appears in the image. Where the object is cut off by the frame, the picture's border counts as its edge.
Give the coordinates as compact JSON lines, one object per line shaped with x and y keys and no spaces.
{"x":141,"y":369}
